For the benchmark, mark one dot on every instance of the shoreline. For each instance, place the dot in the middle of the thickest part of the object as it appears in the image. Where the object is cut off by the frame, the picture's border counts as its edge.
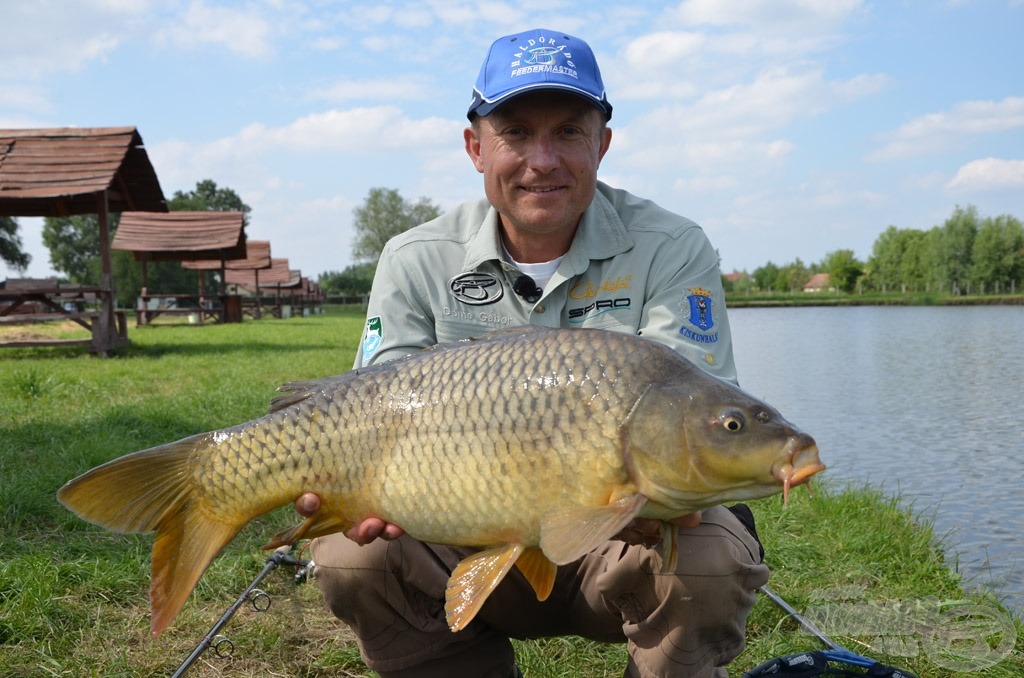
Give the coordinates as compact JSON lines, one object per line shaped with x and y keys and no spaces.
{"x":735,"y":300}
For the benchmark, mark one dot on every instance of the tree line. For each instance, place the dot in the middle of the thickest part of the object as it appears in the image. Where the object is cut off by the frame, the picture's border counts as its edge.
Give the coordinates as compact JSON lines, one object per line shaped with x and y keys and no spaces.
{"x":967,"y":254}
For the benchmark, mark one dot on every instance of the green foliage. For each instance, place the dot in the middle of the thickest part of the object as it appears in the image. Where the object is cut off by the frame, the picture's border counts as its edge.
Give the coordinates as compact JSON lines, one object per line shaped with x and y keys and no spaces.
{"x":354,"y":281}
{"x":966,"y":254}
{"x":766,"y":276}
{"x":383,"y":215}
{"x":843,"y":269}
{"x":952,"y":245}
{"x":997,"y":254}
{"x":74,"y":244}
{"x":10,"y":245}
{"x":208,"y":196}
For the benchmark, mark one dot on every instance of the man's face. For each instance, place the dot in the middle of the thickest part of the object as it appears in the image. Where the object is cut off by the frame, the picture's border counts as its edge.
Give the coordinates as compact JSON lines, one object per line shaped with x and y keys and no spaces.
{"x":539,"y":155}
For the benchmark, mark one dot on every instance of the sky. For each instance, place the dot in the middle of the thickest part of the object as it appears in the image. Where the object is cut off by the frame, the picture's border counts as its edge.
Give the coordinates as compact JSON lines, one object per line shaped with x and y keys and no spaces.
{"x":786,"y":128}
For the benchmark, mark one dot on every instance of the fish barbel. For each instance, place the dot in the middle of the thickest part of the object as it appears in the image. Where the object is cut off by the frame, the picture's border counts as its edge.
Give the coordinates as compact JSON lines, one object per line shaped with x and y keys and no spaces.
{"x":534,"y":445}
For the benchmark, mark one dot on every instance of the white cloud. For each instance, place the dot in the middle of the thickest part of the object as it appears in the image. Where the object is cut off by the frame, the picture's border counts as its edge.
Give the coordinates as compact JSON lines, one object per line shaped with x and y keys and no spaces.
{"x":398,"y":89}
{"x":665,"y":48}
{"x":947,"y":129}
{"x":354,"y":130}
{"x":989,"y":174}
{"x":244,"y":32}
{"x":23,"y":97}
{"x":39,"y":39}
{"x":778,"y":16}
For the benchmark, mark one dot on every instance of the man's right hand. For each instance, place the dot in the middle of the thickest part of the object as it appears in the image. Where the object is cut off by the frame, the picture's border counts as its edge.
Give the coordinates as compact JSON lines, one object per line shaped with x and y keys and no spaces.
{"x":374,"y":528}
{"x":365,"y":532}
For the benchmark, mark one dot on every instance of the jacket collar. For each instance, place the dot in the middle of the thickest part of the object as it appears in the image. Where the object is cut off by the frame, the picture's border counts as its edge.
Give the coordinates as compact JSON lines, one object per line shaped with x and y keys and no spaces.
{"x":600,"y":235}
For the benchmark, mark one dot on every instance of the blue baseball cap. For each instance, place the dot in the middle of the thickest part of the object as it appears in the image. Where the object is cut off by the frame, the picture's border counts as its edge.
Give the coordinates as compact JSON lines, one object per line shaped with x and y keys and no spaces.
{"x":538,"y":59}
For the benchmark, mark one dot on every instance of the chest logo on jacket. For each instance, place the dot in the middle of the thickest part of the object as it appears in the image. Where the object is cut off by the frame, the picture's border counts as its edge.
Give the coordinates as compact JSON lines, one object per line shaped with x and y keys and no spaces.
{"x":476,"y":289}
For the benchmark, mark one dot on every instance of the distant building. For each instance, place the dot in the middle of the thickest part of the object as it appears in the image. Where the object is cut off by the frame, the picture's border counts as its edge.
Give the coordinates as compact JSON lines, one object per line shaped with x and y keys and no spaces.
{"x":735,"y":276}
{"x":819,"y":282}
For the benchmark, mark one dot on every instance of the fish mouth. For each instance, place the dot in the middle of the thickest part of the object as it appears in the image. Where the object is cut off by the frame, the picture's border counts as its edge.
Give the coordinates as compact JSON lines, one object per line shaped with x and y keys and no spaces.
{"x":798,"y":466}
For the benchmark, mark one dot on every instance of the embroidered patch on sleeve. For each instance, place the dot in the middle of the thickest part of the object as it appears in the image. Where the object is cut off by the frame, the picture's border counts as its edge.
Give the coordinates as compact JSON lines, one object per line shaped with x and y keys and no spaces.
{"x":700,"y":304}
{"x":372,"y":337}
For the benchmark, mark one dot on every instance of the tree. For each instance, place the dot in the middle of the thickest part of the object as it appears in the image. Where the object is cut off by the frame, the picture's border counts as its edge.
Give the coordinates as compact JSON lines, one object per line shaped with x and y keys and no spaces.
{"x":354,"y":281}
{"x":10,"y":245}
{"x":792,"y":277}
{"x":886,"y":255}
{"x":765,"y":277}
{"x":384,"y":215}
{"x":74,"y":242}
{"x":914,"y":262}
{"x":207,"y":196}
{"x":843,"y":269}
{"x":997,"y":254}
{"x":952,"y":249}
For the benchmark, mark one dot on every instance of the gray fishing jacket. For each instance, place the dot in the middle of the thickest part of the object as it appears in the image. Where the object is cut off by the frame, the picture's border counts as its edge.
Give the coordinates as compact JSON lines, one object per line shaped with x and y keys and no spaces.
{"x":632,"y":267}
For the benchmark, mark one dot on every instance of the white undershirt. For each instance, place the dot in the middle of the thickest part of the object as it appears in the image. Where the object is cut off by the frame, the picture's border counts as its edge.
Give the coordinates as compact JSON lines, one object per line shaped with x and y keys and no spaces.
{"x":541,"y":273}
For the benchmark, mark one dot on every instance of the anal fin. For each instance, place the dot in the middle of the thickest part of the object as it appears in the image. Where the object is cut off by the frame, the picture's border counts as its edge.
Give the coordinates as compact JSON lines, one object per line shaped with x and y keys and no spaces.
{"x":539,"y":571}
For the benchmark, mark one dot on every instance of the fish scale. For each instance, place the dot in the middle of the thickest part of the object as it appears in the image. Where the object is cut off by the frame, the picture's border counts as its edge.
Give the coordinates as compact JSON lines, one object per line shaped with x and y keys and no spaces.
{"x":534,"y":444}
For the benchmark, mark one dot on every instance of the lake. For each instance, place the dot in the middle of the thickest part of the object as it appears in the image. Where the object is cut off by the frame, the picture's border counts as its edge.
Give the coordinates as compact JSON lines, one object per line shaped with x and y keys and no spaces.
{"x":925,"y":402}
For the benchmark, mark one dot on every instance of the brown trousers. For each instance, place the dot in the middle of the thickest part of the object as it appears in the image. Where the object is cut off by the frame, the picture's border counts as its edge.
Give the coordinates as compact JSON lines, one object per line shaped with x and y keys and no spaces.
{"x":688,"y":623}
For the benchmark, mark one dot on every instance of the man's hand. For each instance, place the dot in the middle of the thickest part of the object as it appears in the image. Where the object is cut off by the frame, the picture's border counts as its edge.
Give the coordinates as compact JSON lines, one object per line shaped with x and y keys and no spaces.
{"x":647,"y":531}
{"x":363,"y":533}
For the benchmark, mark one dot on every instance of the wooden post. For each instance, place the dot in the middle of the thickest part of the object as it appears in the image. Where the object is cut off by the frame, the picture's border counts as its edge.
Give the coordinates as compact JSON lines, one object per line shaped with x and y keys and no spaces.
{"x":104,"y":331}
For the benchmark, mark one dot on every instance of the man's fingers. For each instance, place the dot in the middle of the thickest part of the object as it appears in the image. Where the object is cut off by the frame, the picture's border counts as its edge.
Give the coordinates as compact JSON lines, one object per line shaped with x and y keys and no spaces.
{"x":307,"y":504}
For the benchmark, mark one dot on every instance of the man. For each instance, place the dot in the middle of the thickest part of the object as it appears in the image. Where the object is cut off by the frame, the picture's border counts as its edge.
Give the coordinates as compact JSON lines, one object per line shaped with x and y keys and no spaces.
{"x":549,"y":246}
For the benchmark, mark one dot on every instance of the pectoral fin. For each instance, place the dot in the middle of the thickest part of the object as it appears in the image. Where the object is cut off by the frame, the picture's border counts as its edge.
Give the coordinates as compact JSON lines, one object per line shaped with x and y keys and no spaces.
{"x":667,"y":547}
{"x":569,"y":533}
{"x":538,"y":570}
{"x":473,"y":579}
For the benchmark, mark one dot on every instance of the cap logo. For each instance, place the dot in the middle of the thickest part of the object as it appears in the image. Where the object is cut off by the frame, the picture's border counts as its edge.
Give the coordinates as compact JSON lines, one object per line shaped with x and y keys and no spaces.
{"x":542,"y":56}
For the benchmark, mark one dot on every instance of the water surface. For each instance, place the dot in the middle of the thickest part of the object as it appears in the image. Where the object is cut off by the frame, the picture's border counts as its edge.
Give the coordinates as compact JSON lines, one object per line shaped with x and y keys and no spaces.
{"x":926,"y":402}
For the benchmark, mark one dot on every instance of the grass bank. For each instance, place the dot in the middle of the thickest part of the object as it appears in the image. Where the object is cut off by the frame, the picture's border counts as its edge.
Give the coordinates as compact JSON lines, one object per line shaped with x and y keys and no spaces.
{"x":73,"y":598}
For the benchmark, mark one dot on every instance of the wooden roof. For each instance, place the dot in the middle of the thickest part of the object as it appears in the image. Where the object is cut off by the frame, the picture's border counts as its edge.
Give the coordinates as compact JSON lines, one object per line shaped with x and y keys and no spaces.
{"x":59,"y":171}
{"x":278,"y":273}
{"x":257,"y":256}
{"x":182,"y":236}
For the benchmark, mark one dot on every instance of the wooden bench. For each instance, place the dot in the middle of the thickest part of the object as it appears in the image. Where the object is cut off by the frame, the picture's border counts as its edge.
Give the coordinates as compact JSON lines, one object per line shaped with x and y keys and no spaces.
{"x":200,"y":306}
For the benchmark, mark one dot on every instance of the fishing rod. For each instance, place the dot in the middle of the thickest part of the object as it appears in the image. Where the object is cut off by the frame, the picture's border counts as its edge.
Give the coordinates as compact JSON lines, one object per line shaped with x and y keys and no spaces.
{"x":260,"y":602}
{"x":815,"y":663}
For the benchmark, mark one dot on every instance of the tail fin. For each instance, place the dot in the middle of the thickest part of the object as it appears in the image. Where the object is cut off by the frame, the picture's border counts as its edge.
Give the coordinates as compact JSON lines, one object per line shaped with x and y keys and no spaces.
{"x":150,"y":491}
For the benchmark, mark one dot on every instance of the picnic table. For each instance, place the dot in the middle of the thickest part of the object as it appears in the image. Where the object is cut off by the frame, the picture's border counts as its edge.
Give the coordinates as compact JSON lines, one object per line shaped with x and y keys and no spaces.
{"x":24,"y":301}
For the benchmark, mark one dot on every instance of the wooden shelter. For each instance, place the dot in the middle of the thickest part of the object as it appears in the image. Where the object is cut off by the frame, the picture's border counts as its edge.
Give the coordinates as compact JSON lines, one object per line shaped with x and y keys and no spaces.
{"x":269,"y":280}
{"x":60,"y":172}
{"x":186,"y":237}
{"x":257,"y":259}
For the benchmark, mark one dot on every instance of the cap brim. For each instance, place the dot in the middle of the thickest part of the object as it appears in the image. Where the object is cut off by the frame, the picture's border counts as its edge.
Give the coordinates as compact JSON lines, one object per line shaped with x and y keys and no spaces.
{"x":483,"y":107}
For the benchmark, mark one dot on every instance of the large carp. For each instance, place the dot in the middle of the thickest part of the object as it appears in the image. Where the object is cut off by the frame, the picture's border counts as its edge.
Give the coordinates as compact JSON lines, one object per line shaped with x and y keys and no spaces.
{"x":535,"y":445}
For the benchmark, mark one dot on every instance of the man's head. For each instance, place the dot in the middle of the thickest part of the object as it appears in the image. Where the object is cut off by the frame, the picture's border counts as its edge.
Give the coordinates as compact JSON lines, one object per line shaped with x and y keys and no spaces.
{"x":538,"y":137}
{"x":537,"y":59}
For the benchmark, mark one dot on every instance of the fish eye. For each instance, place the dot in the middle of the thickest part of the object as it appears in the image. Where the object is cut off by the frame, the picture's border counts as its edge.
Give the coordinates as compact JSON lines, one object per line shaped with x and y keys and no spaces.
{"x":733,"y":422}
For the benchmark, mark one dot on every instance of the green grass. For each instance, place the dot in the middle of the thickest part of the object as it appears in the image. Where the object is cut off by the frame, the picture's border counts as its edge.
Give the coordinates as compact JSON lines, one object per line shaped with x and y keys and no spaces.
{"x":73,"y":597}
